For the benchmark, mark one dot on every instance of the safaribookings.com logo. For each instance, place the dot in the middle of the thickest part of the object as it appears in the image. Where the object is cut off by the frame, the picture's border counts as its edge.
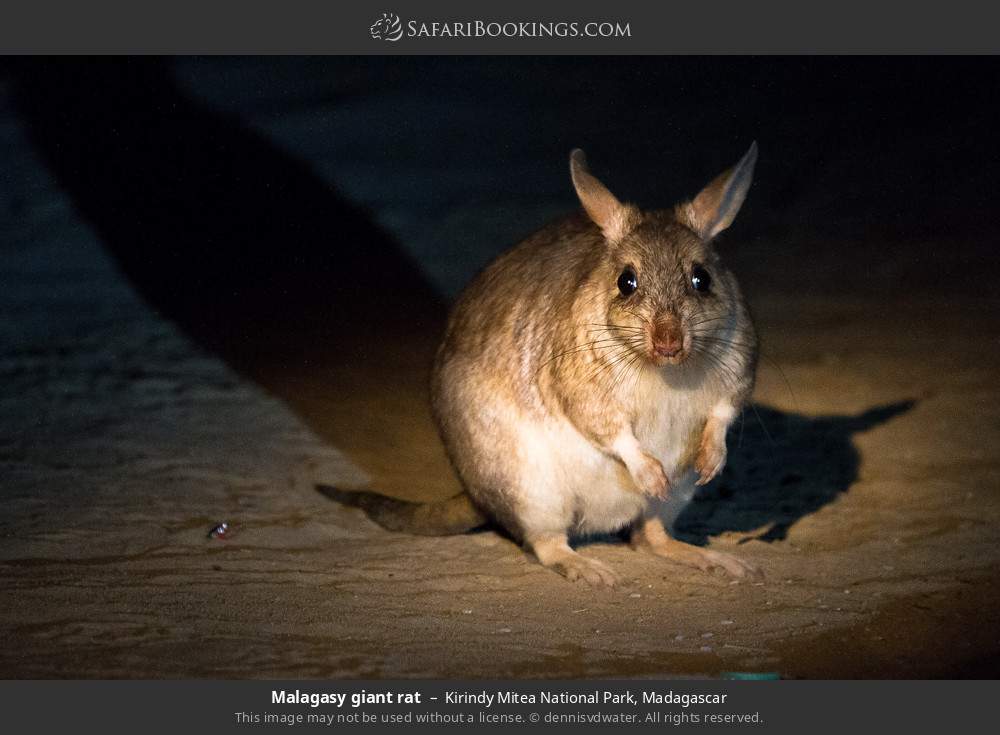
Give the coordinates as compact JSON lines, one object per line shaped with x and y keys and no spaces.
{"x":387,"y":28}
{"x":390,"y":28}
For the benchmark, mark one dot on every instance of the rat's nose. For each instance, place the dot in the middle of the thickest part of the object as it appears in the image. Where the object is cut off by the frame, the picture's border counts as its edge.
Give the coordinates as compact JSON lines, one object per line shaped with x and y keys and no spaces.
{"x":668,"y":338}
{"x":668,"y":347}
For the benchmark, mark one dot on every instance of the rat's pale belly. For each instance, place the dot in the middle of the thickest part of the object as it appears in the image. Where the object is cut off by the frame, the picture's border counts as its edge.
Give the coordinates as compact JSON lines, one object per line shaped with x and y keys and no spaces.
{"x":590,"y":489}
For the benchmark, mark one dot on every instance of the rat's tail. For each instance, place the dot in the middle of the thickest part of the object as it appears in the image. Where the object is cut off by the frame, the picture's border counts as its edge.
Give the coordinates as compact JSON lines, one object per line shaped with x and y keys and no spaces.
{"x":444,"y":518}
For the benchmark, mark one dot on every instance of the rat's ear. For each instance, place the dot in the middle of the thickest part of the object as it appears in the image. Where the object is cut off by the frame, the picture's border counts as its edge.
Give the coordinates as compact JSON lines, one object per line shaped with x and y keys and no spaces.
{"x":603,"y":208}
{"x":715,"y":208}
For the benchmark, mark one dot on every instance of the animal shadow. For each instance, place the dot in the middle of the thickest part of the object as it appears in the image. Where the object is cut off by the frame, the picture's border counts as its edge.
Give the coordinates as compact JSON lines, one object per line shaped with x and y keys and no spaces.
{"x":249,"y":251}
{"x":782,"y":466}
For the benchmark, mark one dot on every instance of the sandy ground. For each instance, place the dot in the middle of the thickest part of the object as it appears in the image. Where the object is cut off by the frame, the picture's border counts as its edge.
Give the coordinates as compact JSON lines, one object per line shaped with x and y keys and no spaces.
{"x":865,"y":480}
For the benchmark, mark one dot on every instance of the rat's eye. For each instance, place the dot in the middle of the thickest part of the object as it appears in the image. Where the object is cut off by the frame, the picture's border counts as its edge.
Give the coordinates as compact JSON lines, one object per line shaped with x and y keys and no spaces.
{"x":627,"y":282}
{"x":700,"y":280}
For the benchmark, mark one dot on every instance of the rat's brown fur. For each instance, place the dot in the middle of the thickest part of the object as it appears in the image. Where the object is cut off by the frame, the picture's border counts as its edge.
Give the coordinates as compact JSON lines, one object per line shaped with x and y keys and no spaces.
{"x":570,"y":407}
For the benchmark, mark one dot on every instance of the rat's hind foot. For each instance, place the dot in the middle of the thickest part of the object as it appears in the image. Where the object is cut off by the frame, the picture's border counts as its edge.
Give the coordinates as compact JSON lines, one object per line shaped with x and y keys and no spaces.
{"x":707,"y":560}
{"x":554,"y":552}
{"x":650,"y":536}
{"x":597,"y":574}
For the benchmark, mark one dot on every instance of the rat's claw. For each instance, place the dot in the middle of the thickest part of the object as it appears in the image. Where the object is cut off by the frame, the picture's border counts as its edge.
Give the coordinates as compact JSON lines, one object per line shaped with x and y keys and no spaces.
{"x":709,"y":463}
{"x":651,"y":478}
{"x":706,"y":477}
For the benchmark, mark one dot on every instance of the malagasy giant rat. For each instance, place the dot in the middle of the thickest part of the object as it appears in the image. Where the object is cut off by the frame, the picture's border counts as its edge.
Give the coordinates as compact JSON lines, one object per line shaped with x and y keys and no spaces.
{"x":588,"y":376}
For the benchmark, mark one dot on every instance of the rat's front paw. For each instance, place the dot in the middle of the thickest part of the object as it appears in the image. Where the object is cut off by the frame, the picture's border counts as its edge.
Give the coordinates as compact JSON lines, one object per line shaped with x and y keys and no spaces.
{"x":710,"y":461}
{"x":651,"y":478}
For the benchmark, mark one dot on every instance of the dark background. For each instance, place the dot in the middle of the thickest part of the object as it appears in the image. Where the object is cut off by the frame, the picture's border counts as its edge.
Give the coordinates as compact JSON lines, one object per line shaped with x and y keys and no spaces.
{"x":900,"y":149}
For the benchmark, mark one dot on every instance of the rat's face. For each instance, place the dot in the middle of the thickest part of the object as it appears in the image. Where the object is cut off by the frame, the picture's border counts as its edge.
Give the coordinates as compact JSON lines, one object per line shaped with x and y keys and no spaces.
{"x":670,"y":297}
